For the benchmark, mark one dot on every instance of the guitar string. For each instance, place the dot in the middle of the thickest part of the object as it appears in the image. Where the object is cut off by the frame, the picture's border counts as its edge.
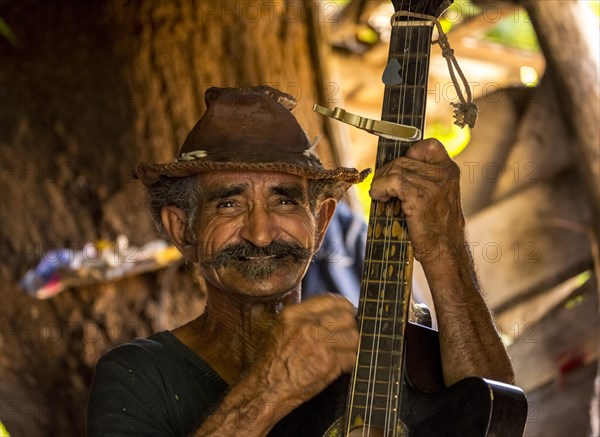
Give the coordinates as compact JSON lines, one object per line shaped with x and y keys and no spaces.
{"x":398,"y":318}
{"x":368,"y":275}
{"x":404,"y":309}
{"x":402,"y":246}
{"x":373,"y":352}
{"x":403,"y":304}
{"x":365,"y":284}
{"x":389,"y":415}
{"x":385,"y":247}
{"x":388,"y":263}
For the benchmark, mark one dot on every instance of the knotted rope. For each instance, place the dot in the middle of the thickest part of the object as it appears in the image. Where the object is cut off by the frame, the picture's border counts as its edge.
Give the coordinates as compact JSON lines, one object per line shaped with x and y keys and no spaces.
{"x":465,"y":111}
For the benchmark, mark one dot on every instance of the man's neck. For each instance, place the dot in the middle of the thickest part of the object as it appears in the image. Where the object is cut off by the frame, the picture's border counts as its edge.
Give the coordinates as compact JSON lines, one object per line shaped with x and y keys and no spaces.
{"x":233,"y":330}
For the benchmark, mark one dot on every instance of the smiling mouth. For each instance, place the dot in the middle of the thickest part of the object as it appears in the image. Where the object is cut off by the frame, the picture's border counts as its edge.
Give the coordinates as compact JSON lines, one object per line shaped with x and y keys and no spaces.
{"x":255,"y":258}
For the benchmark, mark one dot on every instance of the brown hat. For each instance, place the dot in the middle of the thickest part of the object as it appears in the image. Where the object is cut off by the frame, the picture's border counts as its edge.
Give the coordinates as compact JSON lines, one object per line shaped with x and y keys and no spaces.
{"x":249,"y":129}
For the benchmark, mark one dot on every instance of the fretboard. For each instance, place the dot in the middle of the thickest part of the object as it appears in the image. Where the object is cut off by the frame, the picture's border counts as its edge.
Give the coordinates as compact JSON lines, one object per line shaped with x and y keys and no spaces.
{"x":385,"y":291}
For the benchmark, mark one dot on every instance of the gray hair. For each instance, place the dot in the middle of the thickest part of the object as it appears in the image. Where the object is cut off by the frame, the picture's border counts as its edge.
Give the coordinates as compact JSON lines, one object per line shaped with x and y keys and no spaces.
{"x":184,"y":193}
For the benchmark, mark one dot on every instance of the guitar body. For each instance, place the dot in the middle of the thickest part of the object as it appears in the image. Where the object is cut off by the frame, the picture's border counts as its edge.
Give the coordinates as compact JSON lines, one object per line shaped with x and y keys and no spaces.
{"x":472,"y":407}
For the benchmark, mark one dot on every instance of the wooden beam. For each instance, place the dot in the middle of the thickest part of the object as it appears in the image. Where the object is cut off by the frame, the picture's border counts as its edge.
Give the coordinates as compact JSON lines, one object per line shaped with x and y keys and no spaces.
{"x":520,"y":245}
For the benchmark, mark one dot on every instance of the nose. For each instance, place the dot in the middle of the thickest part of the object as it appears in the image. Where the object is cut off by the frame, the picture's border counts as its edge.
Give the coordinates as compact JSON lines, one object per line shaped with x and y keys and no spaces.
{"x":259,"y":227}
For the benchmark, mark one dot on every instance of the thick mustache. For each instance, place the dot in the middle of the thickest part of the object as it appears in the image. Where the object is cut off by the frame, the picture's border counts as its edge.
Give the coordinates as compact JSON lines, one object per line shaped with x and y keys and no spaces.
{"x":247,"y":250}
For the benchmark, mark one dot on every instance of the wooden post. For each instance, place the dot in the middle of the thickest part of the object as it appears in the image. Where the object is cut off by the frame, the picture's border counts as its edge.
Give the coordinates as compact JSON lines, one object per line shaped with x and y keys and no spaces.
{"x":563,"y":29}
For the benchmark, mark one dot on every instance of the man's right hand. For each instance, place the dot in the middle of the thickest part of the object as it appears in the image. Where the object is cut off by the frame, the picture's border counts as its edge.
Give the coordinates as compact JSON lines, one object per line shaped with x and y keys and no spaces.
{"x":313,"y":343}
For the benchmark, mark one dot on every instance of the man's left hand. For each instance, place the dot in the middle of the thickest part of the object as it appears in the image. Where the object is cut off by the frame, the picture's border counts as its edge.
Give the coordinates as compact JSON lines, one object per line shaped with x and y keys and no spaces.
{"x":426,"y":181}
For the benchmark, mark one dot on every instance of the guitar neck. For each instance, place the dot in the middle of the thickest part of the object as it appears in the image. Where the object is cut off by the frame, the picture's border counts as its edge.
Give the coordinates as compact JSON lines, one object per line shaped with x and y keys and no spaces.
{"x":385,"y":291}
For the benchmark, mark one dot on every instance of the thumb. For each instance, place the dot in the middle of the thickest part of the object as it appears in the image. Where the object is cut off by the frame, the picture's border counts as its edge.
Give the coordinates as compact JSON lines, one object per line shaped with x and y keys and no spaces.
{"x":429,"y":150}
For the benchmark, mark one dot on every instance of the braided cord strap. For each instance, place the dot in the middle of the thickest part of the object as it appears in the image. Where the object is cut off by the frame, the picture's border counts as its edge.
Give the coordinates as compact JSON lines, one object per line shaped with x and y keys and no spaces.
{"x":465,"y":111}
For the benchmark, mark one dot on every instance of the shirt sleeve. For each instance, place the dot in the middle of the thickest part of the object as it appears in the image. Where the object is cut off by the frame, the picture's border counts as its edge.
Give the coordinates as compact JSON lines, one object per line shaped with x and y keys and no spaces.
{"x":126,"y":397}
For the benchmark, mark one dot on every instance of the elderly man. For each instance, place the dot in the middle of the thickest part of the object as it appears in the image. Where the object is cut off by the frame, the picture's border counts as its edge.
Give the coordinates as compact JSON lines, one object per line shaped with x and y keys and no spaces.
{"x":249,"y":202}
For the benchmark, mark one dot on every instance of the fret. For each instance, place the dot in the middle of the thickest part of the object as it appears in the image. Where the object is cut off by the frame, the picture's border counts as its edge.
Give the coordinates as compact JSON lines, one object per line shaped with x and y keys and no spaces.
{"x":385,"y":343}
{"x":385,"y":262}
{"x":380,"y":309}
{"x":414,"y":96}
{"x":374,"y":311}
{"x":388,"y":231}
{"x":391,"y":291}
{"x":383,"y":362}
{"x":394,"y":232}
{"x":386,"y":217}
{"x":380,"y":351}
{"x":376,"y":325}
{"x":374,"y":285}
{"x":404,"y":96}
{"x":380,"y":378}
{"x":381,"y":374}
{"x":381,"y":266}
{"x":389,"y":272}
{"x":386,"y":249}
{"x":371,"y":392}
{"x":369,"y":386}
{"x":372,"y":400}
{"x":384,"y":328}
{"x":382,"y":357}
{"x":382,"y":255}
{"x":375,"y":418}
{"x":375,"y":317}
{"x":409,"y":120}
{"x":380,"y":299}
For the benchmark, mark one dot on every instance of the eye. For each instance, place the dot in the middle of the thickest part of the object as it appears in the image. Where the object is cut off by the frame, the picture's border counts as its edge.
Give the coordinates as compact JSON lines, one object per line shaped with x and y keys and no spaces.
{"x":287,"y":201}
{"x":226,"y":204}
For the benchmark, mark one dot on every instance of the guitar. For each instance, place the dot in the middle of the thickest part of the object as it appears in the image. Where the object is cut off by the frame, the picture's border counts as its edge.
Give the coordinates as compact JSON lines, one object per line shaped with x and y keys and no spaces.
{"x":396,"y":388}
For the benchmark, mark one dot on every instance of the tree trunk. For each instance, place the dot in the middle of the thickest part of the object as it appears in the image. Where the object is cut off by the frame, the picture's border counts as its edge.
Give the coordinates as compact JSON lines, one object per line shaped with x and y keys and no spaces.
{"x":89,"y":89}
{"x":568,"y":36}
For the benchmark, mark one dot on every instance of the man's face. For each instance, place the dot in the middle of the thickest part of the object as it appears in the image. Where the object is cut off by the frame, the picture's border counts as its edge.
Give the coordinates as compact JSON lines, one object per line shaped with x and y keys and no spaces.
{"x":256,"y":233}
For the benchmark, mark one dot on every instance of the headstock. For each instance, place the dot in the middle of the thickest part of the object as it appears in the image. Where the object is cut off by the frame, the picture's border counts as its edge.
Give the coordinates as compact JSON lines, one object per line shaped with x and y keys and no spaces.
{"x":428,"y":7}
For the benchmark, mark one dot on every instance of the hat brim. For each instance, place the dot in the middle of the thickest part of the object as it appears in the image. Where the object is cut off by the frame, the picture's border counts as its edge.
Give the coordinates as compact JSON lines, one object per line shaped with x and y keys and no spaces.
{"x":150,"y":173}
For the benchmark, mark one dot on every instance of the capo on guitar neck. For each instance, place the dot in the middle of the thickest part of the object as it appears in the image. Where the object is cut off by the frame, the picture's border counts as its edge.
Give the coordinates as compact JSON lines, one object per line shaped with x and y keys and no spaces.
{"x":385,"y":129}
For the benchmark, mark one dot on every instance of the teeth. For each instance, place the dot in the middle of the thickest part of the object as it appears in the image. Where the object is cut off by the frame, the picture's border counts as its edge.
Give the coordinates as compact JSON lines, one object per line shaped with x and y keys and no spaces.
{"x":259,"y":257}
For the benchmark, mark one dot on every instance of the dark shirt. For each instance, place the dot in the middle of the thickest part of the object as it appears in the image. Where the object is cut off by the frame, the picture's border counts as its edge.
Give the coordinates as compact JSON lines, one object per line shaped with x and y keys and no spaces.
{"x":151,"y":387}
{"x":159,"y":387}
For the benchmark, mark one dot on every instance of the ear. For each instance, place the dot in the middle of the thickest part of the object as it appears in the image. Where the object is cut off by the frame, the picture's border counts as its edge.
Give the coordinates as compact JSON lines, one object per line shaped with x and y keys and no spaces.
{"x":324,"y":215}
{"x":176,"y":225}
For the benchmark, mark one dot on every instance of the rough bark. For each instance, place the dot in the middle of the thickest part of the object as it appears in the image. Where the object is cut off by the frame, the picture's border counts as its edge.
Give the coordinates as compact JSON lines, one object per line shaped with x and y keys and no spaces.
{"x":88,"y":89}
